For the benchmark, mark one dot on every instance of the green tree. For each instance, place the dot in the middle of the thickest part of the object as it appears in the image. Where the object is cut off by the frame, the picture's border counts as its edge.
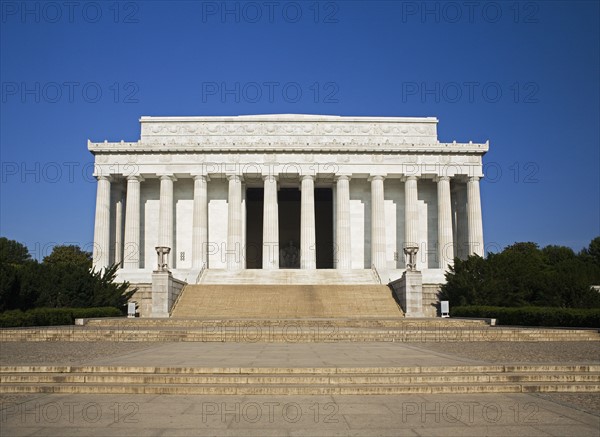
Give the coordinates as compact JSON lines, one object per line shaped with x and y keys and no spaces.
{"x":522,"y":274}
{"x":593,"y":251}
{"x":557,"y":254}
{"x":9,"y":287}
{"x":107,"y":292}
{"x":63,"y":279}
{"x":13,"y":252}
{"x":465,"y":282}
{"x":72,"y":255}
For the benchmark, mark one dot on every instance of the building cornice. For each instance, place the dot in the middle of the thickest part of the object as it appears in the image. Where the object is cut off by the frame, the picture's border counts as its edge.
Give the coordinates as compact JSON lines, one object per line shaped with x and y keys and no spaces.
{"x":287,"y":118}
{"x":141,"y":147}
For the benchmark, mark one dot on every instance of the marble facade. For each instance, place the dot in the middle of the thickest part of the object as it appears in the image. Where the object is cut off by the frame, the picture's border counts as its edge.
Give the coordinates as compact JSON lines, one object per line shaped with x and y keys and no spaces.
{"x":287,"y":191}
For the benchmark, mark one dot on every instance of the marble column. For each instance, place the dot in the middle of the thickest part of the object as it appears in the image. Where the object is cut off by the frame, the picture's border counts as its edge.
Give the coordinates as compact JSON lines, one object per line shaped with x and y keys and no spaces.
{"x":270,"y":249}
{"x":131,"y":244}
{"x":234,"y":224}
{"x":200,"y":222}
{"x":119,"y":226}
{"x":165,"y":216}
{"x":474,"y":224}
{"x":411,"y":221}
{"x":342,"y":228}
{"x":308,"y":249}
{"x":101,"y":252}
{"x":378,"y":242}
{"x":445,"y":241}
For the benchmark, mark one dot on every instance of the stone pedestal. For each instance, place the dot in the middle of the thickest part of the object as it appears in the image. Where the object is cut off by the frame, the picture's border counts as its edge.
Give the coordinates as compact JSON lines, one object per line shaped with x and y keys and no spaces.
{"x":161,"y":284}
{"x":409,"y":291}
{"x":165,"y":291}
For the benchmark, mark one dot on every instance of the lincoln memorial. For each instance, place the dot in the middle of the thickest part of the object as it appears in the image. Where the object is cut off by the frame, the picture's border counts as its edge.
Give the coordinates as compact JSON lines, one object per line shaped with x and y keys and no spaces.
{"x":252,"y":196}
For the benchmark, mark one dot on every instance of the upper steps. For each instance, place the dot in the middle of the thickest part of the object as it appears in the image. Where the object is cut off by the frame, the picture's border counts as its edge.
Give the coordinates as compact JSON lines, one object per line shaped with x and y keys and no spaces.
{"x":289,"y":276}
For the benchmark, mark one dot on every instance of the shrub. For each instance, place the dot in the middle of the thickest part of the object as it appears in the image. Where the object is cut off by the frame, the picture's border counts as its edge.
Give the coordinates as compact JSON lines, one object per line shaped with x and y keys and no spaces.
{"x":53,"y":316}
{"x":533,"y":316}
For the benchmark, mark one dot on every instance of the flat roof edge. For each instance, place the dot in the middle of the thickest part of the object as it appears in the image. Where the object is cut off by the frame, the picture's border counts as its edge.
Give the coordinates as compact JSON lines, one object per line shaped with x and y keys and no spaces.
{"x":286,"y":117}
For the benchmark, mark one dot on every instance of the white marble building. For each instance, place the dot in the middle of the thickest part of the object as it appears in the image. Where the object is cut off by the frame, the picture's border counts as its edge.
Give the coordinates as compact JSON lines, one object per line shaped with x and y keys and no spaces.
{"x":287,"y":191}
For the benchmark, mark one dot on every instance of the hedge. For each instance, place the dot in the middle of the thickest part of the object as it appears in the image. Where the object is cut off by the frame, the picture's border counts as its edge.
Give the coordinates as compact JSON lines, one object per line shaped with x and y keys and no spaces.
{"x":53,"y":316}
{"x":533,"y":316}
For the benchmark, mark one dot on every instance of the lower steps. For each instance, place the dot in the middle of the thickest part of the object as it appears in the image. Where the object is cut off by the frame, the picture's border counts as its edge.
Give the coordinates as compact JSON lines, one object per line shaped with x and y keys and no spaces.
{"x":254,"y":332}
{"x":300,"y":381}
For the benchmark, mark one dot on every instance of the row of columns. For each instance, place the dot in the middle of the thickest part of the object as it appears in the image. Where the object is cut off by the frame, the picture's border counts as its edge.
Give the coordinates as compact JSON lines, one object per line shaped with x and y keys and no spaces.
{"x":235,"y":243}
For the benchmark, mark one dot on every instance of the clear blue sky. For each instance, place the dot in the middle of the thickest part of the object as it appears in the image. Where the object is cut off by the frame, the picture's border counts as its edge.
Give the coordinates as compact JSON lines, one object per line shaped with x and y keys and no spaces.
{"x":524,"y":75}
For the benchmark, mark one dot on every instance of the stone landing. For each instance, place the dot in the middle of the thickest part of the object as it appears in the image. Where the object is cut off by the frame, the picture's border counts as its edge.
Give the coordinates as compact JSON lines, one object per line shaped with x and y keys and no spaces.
{"x":290,"y":276}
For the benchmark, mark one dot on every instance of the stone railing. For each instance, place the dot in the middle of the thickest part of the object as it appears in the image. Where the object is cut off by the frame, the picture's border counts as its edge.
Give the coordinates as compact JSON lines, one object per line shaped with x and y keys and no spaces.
{"x":374,"y":269}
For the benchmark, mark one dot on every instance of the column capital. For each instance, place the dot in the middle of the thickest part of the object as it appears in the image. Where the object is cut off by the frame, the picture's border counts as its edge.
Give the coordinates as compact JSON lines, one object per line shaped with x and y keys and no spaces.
{"x":307,"y":176}
{"x":409,"y":178}
{"x":135,"y":177}
{"x":166,"y":176}
{"x":270,"y":177}
{"x":377,"y":177}
{"x":439,"y":178}
{"x":343,"y":177}
{"x":200,"y":176}
{"x":108,"y":178}
{"x":473,"y":178}
{"x":235,"y":177}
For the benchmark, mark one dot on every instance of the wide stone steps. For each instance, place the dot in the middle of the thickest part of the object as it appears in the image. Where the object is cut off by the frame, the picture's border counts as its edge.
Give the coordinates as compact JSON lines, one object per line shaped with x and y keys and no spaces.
{"x":308,"y":381}
{"x":251,"y":333}
{"x":286,"y":301}
{"x":412,"y":323}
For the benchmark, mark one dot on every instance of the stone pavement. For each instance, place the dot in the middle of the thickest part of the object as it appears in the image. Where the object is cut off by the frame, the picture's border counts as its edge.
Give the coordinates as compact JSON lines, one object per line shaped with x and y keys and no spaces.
{"x":399,"y":415}
{"x":239,"y":415}
{"x":283,"y":355}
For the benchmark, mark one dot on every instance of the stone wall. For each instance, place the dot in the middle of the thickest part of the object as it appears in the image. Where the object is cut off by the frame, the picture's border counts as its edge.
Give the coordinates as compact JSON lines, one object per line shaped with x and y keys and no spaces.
{"x":431,"y":301}
{"x":176,"y":288}
{"x":143,"y":296}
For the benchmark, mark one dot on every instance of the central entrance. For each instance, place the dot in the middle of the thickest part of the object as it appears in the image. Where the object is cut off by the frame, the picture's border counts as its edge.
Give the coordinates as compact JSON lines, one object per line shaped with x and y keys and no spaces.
{"x":289,"y":227}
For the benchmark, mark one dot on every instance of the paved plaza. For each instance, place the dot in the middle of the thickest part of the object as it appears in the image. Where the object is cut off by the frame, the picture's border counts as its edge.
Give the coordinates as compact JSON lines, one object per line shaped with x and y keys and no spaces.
{"x":522,"y":414}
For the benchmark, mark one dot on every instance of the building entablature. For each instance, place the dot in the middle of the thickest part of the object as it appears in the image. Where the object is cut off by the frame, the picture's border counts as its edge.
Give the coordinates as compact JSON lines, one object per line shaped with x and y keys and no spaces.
{"x":308,"y":145}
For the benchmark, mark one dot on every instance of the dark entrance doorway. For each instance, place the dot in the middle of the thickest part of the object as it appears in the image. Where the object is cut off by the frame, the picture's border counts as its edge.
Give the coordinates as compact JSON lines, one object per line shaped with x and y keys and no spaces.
{"x":324,"y":227}
{"x":289,"y":227}
{"x":254,"y":227}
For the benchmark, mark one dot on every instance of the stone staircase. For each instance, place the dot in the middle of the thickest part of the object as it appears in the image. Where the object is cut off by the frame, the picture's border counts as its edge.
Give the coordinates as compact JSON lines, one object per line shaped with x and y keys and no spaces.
{"x":300,"y":381}
{"x":285,"y":294}
{"x":286,"y":301}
